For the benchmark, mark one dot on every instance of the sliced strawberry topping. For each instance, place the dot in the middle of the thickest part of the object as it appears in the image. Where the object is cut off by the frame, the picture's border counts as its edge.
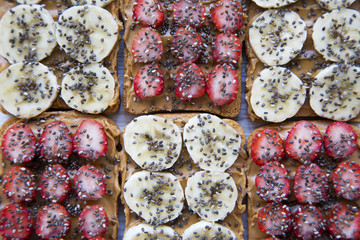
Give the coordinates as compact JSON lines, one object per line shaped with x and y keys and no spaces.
{"x":187,"y":44}
{"x":308,"y":222}
{"x":222,"y":84}
{"x":344,"y":222}
{"x":147,"y":46}
{"x":346,"y":179}
{"x":303,"y":142}
{"x":55,"y":183}
{"x":227,"y":15}
{"x":190,"y":82}
{"x":189,"y":12}
{"x":272,"y":182}
{"x":148,"y":13}
{"x":226,"y":48}
{"x":19,"y":144}
{"x":52,"y":222}
{"x":90,"y":140}
{"x":89,"y":183}
{"x":340,"y":140}
{"x":15,"y":222}
{"x":19,"y":184}
{"x":93,"y":221}
{"x":274,"y":219}
{"x":149,"y":81}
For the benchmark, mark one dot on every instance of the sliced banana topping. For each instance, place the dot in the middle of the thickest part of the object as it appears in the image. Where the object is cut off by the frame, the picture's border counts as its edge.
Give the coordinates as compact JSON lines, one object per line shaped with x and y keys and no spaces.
{"x":336,"y":35}
{"x":28,"y":1}
{"x":277,"y":94}
{"x":207,"y":230}
{"x":27,"y":89}
{"x":157,"y":197}
{"x":153,"y":142}
{"x":273,"y":3}
{"x":148,"y":232}
{"x":88,"y":89}
{"x":212,"y":195}
{"x":334,"y":4}
{"x":335,"y":93}
{"x":211,"y":143}
{"x":27,"y":34}
{"x":100,"y":3}
{"x":277,"y":36}
{"x":87,"y":33}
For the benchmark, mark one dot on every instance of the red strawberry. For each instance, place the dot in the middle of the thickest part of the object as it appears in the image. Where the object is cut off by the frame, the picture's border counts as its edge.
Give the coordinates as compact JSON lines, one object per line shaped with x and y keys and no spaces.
{"x":346,"y":179}
{"x":340,"y":140}
{"x":19,"y":144}
{"x":15,"y":222}
{"x":148,"y":13}
{"x":190,"y":82}
{"x":344,"y":222}
{"x":274,"y":219}
{"x":52,"y":222}
{"x":226,"y":48}
{"x":222,"y":84}
{"x":97,"y":238}
{"x":272,"y":182}
{"x":267,"y":146}
{"x":189,"y":12}
{"x":308,"y":222}
{"x":89,"y":183}
{"x":186,"y":44}
{"x":93,"y":221}
{"x":147,"y":46}
{"x":227,"y":15}
{"x":19,"y":184}
{"x":90,"y":140}
{"x":55,"y":183}
{"x":303,"y":142}
{"x":149,"y":81}
{"x":56,"y":142}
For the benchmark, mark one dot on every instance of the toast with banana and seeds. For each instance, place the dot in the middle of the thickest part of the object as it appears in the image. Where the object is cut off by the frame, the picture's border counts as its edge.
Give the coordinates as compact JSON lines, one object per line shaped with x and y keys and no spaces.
{"x":182,"y":175}
{"x":303,"y":181}
{"x":303,"y":60}
{"x":59,"y":177}
{"x":59,"y":55}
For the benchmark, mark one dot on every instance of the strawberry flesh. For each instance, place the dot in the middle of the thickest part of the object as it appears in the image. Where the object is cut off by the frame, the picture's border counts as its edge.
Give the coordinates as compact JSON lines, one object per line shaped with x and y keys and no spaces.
{"x":344,"y":222}
{"x":190,"y":82}
{"x":226,"y":48}
{"x":149,"y":81}
{"x":89,"y":183}
{"x":93,"y":221}
{"x":147,"y":46}
{"x":186,"y":44}
{"x":346,"y":179}
{"x":308,"y":222}
{"x":148,"y":13}
{"x":274,"y":219}
{"x":189,"y":12}
{"x":15,"y":222}
{"x":227,"y":15}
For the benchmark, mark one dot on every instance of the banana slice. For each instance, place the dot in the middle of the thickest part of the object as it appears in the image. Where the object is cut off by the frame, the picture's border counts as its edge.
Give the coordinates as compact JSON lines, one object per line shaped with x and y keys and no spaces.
{"x":273,"y":3}
{"x":153,"y":142}
{"x":336,"y":35}
{"x":27,"y":89}
{"x":28,"y":34}
{"x":211,"y":143}
{"x":100,"y":3}
{"x":334,"y":4}
{"x":148,"y":232}
{"x":87,"y":33}
{"x":157,"y":197}
{"x":277,"y":94}
{"x":28,"y":1}
{"x":335,"y":93}
{"x":277,"y":36}
{"x":88,"y":89}
{"x":212,"y":195}
{"x":208,"y":230}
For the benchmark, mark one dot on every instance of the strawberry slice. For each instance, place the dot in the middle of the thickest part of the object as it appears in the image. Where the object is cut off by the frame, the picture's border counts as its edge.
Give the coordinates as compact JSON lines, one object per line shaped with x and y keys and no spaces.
{"x":90,"y":140}
{"x":93,"y":221}
{"x":346,"y":179}
{"x":308,"y":222}
{"x":227,"y":15}
{"x":19,"y":144}
{"x":267,"y":146}
{"x":52,"y":222}
{"x":15,"y":222}
{"x":148,"y":13}
{"x":89,"y":183}
{"x":19,"y":184}
{"x":186,"y":44}
{"x":147,"y":46}
{"x":149,"y":81}
{"x":190,"y":82}
{"x":272,"y":182}
{"x":189,"y":12}
{"x":226,"y":48}
{"x":303,"y":142}
{"x":222,"y":84}
{"x":274,"y":219}
{"x":97,"y":238}
{"x":56,"y":142}
{"x":340,"y":140}
{"x":344,"y":222}
{"x":55,"y":183}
